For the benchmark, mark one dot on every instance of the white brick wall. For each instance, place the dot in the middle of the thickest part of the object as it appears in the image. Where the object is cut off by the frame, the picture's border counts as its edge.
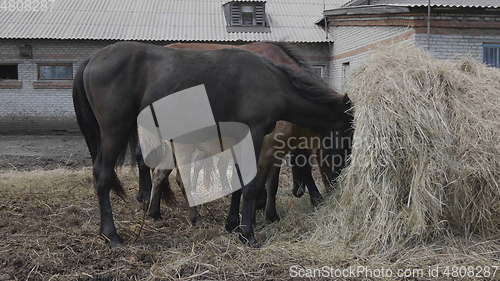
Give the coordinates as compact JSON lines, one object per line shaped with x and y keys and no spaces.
{"x":351,"y":38}
{"x":348,"y":38}
{"x":28,"y":108}
{"x":456,"y":46}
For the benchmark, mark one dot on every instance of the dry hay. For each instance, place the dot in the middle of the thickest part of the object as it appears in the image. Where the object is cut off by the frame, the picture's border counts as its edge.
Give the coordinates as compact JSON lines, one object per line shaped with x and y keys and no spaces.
{"x":422,"y":190}
{"x":426,"y":154}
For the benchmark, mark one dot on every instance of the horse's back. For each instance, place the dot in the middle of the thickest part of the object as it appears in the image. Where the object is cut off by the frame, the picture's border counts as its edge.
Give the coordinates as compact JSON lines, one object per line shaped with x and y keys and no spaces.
{"x":145,"y":72}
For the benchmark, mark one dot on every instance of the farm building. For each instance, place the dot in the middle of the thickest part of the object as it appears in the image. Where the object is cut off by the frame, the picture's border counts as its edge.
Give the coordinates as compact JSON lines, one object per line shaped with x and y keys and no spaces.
{"x":41,"y":47}
{"x":455,"y":29}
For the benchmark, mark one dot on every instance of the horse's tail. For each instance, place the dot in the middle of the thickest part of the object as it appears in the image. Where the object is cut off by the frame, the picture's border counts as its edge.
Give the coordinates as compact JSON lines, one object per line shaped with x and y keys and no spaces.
{"x":84,"y":114}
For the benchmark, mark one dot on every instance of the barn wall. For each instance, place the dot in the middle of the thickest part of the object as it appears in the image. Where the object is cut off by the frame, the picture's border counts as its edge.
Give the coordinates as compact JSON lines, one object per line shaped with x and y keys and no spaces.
{"x":352,"y":44}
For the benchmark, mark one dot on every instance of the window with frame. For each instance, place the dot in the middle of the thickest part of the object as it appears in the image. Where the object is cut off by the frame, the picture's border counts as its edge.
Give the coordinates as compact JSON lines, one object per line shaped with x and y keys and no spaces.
{"x":9,"y":72}
{"x":55,"y":71}
{"x":319,"y":70}
{"x":491,"y":54}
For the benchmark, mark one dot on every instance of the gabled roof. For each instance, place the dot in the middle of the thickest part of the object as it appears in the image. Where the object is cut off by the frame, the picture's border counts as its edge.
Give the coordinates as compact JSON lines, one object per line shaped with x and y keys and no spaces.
{"x":162,"y":20}
{"x":434,"y":3}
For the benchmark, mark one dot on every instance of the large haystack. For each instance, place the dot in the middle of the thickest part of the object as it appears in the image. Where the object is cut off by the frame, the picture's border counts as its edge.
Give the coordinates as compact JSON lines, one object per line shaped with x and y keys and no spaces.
{"x":426,"y":154}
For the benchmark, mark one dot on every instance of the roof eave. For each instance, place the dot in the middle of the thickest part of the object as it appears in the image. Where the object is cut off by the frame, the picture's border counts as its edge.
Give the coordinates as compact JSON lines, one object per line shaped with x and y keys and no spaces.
{"x":229,"y":1}
{"x":367,"y":10}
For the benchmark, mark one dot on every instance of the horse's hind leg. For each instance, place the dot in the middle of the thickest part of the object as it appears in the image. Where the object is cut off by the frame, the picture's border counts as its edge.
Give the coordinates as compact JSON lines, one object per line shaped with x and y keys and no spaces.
{"x":105,"y":180}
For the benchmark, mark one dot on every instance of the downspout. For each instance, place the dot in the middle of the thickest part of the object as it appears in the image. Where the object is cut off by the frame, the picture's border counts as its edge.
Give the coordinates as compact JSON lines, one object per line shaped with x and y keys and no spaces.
{"x":326,"y":21}
{"x":330,"y":49}
{"x":429,"y":25}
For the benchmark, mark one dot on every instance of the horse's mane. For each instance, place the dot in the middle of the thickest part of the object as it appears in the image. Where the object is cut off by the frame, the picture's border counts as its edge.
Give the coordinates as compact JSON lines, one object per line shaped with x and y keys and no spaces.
{"x":308,"y":83}
{"x":293,"y":54}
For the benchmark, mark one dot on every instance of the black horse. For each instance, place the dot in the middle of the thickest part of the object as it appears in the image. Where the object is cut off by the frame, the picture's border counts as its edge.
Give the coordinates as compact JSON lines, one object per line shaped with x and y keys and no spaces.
{"x":116,"y":83}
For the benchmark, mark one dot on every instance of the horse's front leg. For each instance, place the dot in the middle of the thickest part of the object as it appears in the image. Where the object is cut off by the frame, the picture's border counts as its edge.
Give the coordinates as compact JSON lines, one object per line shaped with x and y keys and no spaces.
{"x":332,"y":167}
{"x":233,"y":217}
{"x":303,"y":169}
{"x":265,"y":162}
{"x":270,"y":165}
{"x":194,"y":215}
{"x":161,"y":186}
{"x":250,"y":194}
{"x":272,"y":189}
{"x":326,"y":171}
{"x":145,"y":184}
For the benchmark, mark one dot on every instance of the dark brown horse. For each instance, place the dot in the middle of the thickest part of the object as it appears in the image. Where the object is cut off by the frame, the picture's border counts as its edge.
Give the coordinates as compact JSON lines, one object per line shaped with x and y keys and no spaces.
{"x":116,"y":83}
{"x":302,"y":175}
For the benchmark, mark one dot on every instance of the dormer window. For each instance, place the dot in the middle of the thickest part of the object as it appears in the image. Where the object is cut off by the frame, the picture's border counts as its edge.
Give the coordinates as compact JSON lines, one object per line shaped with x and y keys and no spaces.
{"x":246,"y":16}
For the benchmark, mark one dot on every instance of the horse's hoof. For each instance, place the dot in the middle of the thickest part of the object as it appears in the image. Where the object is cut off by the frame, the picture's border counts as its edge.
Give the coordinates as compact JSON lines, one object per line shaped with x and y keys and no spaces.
{"x":249,"y":239}
{"x":116,"y":244}
{"x":155,"y":215}
{"x":272,"y":217}
{"x":316,"y":201}
{"x":193,"y":220}
{"x":114,"y":240}
{"x":232,"y":224}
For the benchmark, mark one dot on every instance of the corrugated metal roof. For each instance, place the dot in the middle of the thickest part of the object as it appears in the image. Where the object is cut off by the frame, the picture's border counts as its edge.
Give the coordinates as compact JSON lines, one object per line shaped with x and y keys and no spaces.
{"x":434,"y":3}
{"x":161,"y":20}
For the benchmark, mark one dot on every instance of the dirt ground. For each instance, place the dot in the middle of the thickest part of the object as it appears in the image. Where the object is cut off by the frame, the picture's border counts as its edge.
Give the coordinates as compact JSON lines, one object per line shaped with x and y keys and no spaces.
{"x":35,"y":152}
